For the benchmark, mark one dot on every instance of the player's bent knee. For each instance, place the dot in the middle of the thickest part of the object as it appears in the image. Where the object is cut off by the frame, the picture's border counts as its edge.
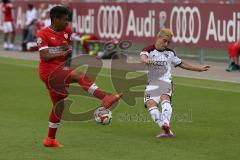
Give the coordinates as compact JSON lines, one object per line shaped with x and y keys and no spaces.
{"x":150,"y":103}
{"x":75,"y":76}
{"x":165,"y":97}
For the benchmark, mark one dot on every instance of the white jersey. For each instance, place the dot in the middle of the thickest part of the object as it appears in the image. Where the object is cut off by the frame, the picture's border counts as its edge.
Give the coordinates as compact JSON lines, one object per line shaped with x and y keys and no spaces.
{"x":160,"y":69}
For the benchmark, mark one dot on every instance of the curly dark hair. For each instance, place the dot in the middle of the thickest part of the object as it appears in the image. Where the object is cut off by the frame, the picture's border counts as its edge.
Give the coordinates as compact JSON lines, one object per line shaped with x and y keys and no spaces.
{"x":6,"y":1}
{"x":58,"y":12}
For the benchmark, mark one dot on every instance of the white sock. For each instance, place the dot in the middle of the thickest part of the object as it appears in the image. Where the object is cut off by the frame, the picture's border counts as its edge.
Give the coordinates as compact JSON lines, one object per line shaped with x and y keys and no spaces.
{"x":5,"y":45}
{"x":10,"y":45}
{"x":156,"y":115}
{"x":92,"y":88}
{"x":166,"y":111}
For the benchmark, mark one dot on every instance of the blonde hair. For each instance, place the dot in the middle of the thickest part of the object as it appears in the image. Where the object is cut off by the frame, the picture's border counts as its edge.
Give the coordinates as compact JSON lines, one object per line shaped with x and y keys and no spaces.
{"x":165,"y":32}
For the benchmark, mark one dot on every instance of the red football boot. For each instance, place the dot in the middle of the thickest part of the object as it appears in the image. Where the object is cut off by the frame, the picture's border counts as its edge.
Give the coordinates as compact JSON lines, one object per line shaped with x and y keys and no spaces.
{"x":48,"y":142}
{"x":109,"y":100}
{"x":167,"y":133}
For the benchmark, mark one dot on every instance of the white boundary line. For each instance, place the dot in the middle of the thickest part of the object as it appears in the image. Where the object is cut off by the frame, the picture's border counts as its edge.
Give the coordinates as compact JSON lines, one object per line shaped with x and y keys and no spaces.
{"x":181,"y":84}
{"x":22,"y":65}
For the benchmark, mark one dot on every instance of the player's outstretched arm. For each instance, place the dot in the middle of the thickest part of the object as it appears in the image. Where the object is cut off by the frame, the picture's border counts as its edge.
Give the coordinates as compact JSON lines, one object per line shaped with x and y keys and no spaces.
{"x":189,"y":66}
{"x":145,"y":59}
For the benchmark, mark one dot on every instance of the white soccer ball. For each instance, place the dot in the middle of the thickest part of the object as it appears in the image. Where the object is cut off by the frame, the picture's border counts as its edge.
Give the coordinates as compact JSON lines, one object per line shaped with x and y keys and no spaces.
{"x":103,"y":116}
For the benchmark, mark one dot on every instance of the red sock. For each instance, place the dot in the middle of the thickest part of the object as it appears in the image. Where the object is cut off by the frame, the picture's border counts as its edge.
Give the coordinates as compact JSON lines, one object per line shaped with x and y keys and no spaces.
{"x":90,"y":87}
{"x":52,"y":132}
{"x":99,"y":94}
{"x":54,"y":122}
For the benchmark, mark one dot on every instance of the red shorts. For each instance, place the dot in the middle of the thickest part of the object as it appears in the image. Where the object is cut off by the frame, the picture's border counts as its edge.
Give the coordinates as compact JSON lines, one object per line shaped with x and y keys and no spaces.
{"x":57,"y":82}
{"x":8,"y":27}
{"x":233,"y":50}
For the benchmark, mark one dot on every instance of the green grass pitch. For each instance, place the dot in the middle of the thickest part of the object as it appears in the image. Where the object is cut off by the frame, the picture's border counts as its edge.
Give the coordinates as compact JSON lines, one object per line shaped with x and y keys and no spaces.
{"x":205,"y":122}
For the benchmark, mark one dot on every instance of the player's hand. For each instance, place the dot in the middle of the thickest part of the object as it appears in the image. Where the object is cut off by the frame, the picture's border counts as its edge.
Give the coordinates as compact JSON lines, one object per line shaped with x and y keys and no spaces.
{"x":65,"y":45}
{"x":67,"y":52}
{"x":204,"y":68}
{"x":149,"y":61}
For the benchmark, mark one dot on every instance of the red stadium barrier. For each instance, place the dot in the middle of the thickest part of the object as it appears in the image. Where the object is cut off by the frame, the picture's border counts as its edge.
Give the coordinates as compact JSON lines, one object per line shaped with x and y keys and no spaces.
{"x":199,"y":25}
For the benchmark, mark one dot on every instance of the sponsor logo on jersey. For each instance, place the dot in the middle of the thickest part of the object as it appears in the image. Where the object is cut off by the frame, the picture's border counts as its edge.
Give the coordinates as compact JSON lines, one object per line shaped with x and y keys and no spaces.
{"x":53,"y":38}
{"x":55,"y":50}
{"x":160,"y":63}
{"x":166,"y":55}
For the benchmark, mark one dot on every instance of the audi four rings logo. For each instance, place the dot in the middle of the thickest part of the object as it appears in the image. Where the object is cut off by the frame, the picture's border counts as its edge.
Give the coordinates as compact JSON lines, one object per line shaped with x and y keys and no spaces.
{"x":187,"y":24}
{"x":110,"y":21}
{"x":160,"y":63}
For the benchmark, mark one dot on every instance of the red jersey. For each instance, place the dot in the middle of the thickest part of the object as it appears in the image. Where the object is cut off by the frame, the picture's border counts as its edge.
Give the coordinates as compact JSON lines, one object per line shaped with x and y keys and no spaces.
{"x":48,"y":38}
{"x":7,"y":12}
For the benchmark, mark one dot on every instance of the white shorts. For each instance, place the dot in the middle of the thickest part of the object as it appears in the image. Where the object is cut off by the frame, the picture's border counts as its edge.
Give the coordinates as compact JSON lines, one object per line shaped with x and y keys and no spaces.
{"x":8,"y":27}
{"x":154,"y":90}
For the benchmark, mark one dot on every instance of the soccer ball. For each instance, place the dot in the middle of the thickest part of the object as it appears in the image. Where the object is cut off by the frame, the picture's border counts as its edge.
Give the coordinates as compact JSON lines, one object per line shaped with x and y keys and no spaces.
{"x":103,"y":116}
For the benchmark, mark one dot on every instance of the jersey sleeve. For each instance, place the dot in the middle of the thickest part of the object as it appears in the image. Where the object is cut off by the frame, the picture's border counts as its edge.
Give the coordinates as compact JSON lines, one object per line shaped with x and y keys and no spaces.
{"x":147,"y":50}
{"x":144,"y":53}
{"x":175,"y":60}
{"x":41,"y":41}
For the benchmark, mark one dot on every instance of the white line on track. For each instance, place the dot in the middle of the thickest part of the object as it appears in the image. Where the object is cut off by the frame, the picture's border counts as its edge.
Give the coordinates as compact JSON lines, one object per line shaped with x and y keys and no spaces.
{"x":107,"y":75}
